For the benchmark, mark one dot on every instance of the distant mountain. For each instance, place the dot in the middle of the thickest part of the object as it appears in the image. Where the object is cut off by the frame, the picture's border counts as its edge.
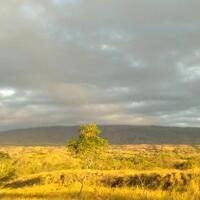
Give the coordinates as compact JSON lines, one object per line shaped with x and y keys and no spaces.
{"x":116,"y":134}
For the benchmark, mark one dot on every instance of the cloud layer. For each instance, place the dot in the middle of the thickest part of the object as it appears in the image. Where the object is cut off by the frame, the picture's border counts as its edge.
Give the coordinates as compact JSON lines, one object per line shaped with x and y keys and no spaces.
{"x":110,"y":61}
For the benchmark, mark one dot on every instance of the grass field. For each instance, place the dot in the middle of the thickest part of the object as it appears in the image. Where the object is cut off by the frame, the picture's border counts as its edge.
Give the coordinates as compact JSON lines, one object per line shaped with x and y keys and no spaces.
{"x":140,"y":172}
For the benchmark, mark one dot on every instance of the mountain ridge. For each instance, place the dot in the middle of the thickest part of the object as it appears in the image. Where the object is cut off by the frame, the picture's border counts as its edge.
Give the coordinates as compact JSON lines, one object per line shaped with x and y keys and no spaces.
{"x":116,"y":134}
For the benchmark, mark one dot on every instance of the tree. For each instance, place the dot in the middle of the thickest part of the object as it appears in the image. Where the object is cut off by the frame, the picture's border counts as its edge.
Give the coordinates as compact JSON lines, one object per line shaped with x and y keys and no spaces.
{"x":88,"y":146}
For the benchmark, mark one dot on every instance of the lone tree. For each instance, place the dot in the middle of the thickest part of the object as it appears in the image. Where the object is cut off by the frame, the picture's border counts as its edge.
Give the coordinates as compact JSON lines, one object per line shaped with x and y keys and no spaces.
{"x":88,"y":146}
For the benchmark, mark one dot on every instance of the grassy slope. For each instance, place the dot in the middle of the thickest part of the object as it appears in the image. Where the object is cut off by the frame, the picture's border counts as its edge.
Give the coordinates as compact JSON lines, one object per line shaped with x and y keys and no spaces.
{"x":137,"y":172}
{"x":115,"y":135}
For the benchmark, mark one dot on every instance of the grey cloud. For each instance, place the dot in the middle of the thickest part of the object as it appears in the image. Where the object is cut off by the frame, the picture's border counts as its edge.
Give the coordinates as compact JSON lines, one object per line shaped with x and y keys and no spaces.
{"x":123,"y":62}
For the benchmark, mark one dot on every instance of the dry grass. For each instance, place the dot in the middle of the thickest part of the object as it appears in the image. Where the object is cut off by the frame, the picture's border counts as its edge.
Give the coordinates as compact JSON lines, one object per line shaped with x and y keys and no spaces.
{"x":138,"y":172}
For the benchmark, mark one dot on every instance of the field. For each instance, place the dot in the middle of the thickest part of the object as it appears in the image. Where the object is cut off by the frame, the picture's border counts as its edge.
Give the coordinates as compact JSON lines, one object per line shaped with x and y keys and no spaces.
{"x":139,"y":172}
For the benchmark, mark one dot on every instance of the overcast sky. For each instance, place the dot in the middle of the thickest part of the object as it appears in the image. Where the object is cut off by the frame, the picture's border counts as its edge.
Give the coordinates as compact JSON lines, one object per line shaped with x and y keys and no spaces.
{"x":66,"y":62}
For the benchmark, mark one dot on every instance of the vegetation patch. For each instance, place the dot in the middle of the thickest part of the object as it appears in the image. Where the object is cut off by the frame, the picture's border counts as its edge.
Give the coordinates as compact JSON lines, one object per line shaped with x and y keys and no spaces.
{"x":170,"y":181}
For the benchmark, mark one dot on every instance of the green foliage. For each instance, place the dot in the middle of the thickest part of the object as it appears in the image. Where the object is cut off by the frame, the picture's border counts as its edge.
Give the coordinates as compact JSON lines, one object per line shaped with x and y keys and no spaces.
{"x":89,"y":130}
{"x":88,"y":145}
{"x":85,"y":145}
{"x":7,"y":171}
{"x":88,"y":141}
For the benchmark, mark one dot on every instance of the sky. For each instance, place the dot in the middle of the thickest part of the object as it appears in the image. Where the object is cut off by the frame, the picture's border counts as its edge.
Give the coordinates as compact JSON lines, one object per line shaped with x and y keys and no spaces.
{"x":67,"y":62}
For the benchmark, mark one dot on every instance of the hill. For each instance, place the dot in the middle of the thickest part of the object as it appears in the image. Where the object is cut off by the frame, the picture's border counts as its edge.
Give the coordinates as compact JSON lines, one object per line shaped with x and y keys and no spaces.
{"x":127,"y":172}
{"x":116,"y":134}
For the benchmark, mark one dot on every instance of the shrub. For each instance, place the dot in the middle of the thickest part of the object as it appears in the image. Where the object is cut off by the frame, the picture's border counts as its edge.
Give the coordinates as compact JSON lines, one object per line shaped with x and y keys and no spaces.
{"x":189,"y":164}
{"x":7,"y":170}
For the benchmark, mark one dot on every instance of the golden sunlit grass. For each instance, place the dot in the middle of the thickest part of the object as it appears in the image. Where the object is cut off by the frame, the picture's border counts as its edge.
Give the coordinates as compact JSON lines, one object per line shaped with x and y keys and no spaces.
{"x":138,"y":172}
{"x":57,"y":192}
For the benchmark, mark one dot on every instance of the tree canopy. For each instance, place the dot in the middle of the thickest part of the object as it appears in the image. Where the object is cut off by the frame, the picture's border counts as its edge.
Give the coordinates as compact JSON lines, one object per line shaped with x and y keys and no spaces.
{"x":88,"y":145}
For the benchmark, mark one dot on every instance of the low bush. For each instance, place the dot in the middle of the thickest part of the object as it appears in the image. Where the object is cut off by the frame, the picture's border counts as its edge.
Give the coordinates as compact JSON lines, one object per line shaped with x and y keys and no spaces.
{"x":189,"y":164}
{"x":7,"y":170}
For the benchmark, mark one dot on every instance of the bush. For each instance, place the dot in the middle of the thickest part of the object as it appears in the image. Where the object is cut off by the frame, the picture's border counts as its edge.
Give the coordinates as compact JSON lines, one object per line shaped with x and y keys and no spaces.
{"x":185,"y":165}
{"x":7,"y":170}
{"x":4,"y":155}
